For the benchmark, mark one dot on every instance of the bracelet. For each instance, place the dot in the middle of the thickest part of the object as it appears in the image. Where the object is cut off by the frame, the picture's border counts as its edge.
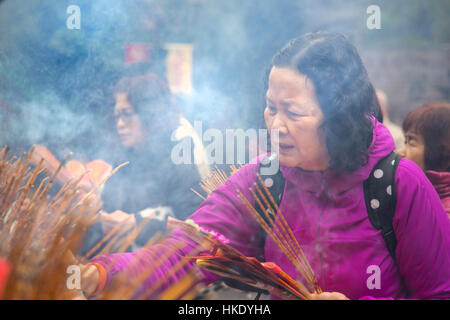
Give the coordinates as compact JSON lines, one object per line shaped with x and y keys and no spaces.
{"x":102,"y":277}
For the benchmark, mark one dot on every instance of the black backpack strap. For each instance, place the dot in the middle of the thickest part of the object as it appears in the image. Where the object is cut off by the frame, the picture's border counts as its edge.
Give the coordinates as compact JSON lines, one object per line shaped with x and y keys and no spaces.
{"x":379,"y":194}
{"x":380,"y":198}
{"x":274,"y":183}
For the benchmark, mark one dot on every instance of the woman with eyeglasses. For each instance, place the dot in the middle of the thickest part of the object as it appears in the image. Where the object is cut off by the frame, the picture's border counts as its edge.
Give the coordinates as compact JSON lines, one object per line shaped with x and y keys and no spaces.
{"x":148,"y":125}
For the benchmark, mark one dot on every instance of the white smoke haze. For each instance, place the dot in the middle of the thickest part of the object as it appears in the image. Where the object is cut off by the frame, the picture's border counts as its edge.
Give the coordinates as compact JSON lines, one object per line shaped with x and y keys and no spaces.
{"x":57,"y":83}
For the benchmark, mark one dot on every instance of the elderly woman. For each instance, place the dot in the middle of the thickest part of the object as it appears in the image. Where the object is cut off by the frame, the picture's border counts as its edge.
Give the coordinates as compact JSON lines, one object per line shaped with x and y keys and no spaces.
{"x":427,"y":143}
{"x":321,"y":102}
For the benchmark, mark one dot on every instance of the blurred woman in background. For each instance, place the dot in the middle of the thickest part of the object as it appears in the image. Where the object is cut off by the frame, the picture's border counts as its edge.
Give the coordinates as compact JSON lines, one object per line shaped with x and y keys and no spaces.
{"x":149,"y":125}
{"x":427,"y":143}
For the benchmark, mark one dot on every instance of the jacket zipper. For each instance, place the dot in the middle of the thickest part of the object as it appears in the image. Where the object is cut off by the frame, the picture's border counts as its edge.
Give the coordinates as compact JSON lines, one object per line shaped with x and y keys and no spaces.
{"x":320,"y":247}
{"x":319,"y":238}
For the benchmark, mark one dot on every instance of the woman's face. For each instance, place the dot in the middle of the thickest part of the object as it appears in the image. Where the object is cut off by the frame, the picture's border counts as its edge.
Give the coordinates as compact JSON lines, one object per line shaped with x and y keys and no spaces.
{"x":128,"y":123}
{"x":414,"y":149}
{"x":292,"y":109}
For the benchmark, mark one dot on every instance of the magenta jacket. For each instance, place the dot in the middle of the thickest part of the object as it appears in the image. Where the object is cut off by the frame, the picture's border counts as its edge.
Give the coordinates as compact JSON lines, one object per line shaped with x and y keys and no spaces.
{"x":328,"y":216}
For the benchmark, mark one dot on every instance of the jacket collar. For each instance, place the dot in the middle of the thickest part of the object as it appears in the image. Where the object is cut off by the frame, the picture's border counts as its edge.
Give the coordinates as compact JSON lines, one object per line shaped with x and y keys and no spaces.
{"x":440,"y":181}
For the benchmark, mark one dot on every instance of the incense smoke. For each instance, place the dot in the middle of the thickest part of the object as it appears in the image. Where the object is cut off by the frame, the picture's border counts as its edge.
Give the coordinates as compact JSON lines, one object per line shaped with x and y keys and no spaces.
{"x":56,"y":84}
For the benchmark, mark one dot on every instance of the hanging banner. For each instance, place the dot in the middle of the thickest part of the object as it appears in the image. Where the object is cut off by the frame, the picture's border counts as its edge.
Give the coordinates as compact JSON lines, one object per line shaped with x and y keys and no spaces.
{"x":179,"y":67}
{"x":136,"y":52}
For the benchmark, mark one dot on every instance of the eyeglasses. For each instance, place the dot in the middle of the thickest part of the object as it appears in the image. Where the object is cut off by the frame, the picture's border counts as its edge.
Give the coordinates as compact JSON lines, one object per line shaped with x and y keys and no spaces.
{"x":124,"y":115}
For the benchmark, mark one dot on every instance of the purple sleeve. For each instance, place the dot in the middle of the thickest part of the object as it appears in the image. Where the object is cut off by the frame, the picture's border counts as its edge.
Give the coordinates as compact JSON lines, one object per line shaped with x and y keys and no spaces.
{"x":130,"y":265}
{"x":224,"y":213}
{"x":221,"y":212}
{"x":422,"y":229}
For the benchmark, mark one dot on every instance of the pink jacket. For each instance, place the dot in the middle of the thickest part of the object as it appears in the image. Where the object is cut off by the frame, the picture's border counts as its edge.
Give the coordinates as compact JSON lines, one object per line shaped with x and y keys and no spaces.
{"x":328,"y":216}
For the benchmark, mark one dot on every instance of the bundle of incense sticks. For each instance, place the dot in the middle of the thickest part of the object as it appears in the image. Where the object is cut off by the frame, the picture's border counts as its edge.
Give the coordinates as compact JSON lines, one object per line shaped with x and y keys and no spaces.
{"x":256,"y":275}
{"x":38,"y":234}
{"x":274,"y":224}
{"x":214,"y":180}
{"x":40,"y":237}
{"x":228,"y":262}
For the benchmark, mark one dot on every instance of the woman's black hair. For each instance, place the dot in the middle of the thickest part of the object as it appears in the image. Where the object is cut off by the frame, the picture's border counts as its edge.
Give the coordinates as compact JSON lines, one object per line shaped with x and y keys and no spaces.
{"x":344,"y":92}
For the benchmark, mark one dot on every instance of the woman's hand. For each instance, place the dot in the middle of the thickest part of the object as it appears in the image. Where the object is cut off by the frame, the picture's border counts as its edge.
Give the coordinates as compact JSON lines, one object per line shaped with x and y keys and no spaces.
{"x":111,"y":220}
{"x":328,"y":296}
{"x":90,"y":279}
